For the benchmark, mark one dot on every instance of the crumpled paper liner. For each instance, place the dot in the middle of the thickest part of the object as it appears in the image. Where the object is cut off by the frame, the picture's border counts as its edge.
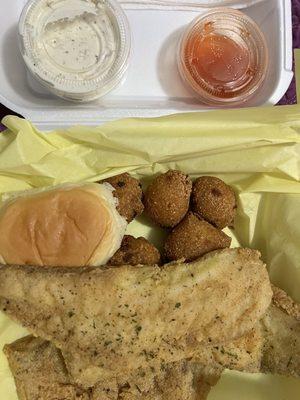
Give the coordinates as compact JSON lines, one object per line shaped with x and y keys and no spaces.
{"x":255,"y":150}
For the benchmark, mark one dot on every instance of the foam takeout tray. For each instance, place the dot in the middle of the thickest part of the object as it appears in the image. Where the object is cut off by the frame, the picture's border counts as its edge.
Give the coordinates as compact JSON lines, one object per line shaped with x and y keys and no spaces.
{"x":152,"y":86}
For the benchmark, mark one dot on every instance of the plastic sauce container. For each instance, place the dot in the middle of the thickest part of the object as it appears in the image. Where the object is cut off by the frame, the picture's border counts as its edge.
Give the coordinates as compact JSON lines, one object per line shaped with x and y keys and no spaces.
{"x":223,"y":57}
{"x":77,"y":49}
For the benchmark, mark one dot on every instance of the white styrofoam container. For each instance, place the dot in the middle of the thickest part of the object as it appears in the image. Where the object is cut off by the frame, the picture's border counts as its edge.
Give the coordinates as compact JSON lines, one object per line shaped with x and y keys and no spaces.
{"x":152,"y":86}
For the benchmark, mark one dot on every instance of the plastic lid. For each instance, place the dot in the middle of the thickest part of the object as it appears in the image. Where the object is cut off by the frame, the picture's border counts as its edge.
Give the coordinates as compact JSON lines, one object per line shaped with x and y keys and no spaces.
{"x":223,"y":56}
{"x":78,"y":49}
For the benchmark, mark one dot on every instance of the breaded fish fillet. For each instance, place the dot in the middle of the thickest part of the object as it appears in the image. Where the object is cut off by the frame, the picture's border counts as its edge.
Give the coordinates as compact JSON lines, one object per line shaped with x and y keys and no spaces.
{"x":192,"y":379}
{"x":108,"y":321}
{"x":33,"y":361}
{"x":40,"y":374}
{"x":39,"y":371}
{"x":272,"y":346}
{"x":281,"y":330}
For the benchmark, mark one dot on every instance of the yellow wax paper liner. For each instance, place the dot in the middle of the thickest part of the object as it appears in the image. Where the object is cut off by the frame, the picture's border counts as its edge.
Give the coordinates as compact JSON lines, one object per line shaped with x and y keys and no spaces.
{"x":256,"y":150}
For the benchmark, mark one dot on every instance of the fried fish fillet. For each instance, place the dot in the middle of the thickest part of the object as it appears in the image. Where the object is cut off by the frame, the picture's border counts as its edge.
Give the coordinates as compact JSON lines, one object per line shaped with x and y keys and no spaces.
{"x":33,"y":361}
{"x":192,"y":379}
{"x":281,"y":330}
{"x":39,"y":371}
{"x":40,"y":374}
{"x":176,"y":381}
{"x":272,"y":346}
{"x":108,"y":321}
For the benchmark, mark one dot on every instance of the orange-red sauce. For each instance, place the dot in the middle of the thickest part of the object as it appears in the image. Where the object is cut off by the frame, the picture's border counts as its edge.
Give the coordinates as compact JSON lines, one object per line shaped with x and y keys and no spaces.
{"x":217,"y":58}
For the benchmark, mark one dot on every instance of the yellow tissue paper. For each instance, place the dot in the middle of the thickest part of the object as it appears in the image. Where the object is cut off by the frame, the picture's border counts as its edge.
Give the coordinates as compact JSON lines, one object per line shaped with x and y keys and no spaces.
{"x":235,"y":385}
{"x":255,"y":150}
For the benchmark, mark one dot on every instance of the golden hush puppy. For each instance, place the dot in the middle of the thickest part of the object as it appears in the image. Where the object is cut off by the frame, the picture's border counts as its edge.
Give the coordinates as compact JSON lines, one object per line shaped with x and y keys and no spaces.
{"x":214,"y":201}
{"x":128,"y":191}
{"x":167,"y":198}
{"x":193,"y":238}
{"x":135,"y":251}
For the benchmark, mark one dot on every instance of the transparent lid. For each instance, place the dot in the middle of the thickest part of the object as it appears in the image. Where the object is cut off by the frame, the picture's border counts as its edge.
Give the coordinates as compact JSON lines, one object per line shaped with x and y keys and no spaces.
{"x":223,"y":56}
{"x":78,"y":49}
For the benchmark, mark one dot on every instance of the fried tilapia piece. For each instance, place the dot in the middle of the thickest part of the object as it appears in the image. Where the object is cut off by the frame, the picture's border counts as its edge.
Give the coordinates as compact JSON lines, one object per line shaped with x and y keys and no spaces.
{"x":40,"y":374}
{"x":281,"y":330}
{"x":39,"y":371}
{"x":243,"y":354}
{"x":108,"y":321}
{"x":272,"y":346}
{"x":192,"y":379}
{"x":31,"y":359}
{"x":176,"y":381}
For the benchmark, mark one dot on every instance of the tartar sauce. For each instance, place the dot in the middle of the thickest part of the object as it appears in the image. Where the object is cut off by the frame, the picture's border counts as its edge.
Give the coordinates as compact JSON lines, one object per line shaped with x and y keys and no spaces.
{"x":78,"y":49}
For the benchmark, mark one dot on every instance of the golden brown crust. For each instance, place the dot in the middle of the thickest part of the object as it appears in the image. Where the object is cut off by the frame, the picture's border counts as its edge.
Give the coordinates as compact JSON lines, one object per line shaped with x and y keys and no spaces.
{"x":128,"y":191}
{"x":214,"y":201}
{"x":135,"y":251}
{"x":167,"y":198}
{"x":281,"y":330}
{"x":193,"y":238}
{"x":284,"y":302}
{"x":242,"y":354}
{"x":126,"y":300}
{"x":39,"y":371}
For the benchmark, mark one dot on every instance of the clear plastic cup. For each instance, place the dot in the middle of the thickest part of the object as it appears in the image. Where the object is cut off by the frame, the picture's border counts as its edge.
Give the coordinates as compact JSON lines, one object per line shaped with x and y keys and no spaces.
{"x":78,"y":49}
{"x":223,"y":57}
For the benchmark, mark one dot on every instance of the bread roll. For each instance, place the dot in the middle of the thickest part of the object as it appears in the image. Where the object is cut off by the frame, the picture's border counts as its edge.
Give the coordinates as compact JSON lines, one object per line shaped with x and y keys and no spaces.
{"x":69,"y":225}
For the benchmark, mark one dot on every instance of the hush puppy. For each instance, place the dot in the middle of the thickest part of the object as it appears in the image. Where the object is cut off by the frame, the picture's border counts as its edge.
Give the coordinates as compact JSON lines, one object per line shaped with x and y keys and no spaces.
{"x":128,"y":191}
{"x":193,"y":238}
{"x":167,"y":198}
{"x":135,"y":251}
{"x":214,"y":201}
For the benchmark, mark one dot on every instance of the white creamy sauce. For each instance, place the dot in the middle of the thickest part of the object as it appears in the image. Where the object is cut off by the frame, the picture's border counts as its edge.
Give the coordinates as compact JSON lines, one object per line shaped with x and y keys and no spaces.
{"x":72,"y":44}
{"x":80,"y":43}
{"x":70,"y":40}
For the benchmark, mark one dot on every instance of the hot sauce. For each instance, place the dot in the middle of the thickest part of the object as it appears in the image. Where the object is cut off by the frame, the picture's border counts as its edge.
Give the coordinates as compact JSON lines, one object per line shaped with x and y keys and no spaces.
{"x":223,"y":57}
{"x":218,"y":58}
